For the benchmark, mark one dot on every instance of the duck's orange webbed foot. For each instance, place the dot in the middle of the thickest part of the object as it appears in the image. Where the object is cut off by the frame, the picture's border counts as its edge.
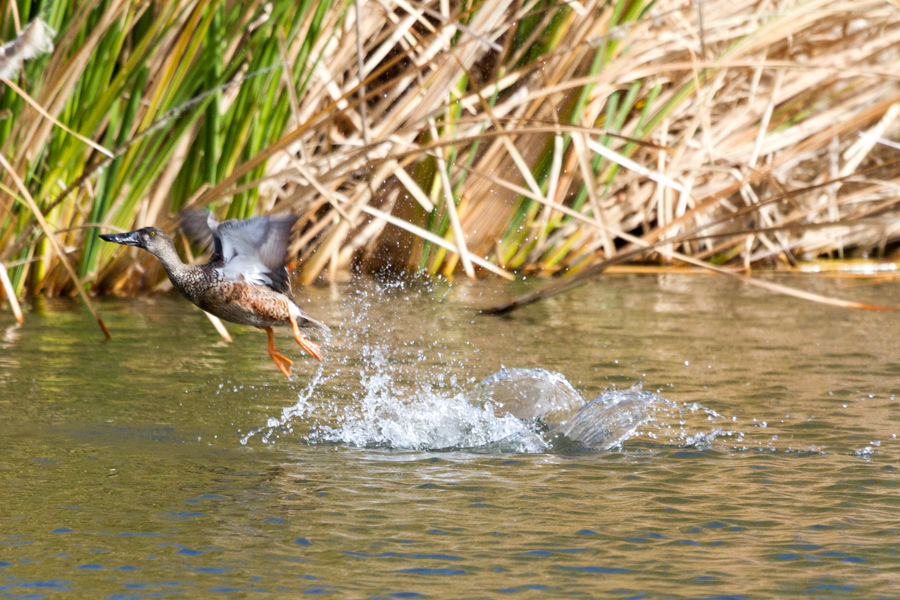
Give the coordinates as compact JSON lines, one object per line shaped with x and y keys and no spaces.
{"x":307,"y":345}
{"x":281,"y":361}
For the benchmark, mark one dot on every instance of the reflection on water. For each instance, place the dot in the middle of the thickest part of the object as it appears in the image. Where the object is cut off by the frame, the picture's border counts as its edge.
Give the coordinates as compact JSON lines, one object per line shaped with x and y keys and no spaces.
{"x":437,"y":450}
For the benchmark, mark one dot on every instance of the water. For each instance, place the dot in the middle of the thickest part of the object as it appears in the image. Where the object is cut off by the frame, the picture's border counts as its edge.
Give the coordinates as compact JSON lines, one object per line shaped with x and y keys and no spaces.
{"x":438,"y":453}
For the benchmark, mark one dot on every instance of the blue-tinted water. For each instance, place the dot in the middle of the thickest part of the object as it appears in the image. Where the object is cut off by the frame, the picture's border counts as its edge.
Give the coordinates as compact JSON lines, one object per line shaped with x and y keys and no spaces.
{"x":758,"y":459}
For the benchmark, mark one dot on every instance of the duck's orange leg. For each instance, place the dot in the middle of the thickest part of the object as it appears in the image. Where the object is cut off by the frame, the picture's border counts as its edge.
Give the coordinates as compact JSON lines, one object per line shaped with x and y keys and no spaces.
{"x":281,"y":361}
{"x":307,"y":345}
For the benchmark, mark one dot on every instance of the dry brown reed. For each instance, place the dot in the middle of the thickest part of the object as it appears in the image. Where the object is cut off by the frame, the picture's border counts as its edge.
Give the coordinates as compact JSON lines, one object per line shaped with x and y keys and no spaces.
{"x":780,"y":108}
{"x":468,"y":137}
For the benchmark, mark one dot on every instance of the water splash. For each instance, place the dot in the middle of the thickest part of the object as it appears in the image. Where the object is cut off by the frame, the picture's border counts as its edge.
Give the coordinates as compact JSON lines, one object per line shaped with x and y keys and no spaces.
{"x":298,"y":411}
{"x":617,"y":415}
{"x":389,"y":416}
{"x":411,"y":393}
{"x":529,"y":394}
{"x":512,"y":411}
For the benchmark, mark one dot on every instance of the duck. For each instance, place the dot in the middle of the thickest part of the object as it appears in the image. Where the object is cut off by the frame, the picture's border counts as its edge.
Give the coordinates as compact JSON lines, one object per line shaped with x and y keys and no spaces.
{"x":245,"y":281}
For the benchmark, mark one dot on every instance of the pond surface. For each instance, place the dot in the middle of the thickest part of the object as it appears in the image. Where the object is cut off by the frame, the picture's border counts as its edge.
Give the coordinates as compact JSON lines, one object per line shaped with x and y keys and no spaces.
{"x":759,"y":460}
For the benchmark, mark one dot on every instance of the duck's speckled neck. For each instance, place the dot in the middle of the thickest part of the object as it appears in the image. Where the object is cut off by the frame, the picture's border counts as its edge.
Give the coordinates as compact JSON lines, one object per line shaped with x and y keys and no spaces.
{"x":165,"y":251}
{"x":191,"y":280}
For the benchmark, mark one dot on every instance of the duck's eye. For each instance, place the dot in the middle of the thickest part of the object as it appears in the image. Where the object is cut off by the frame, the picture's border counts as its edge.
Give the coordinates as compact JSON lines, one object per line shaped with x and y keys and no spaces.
{"x":152,"y":233}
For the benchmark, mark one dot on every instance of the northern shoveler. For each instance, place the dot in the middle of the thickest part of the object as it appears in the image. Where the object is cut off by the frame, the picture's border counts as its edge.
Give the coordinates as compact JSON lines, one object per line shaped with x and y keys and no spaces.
{"x":245,"y":280}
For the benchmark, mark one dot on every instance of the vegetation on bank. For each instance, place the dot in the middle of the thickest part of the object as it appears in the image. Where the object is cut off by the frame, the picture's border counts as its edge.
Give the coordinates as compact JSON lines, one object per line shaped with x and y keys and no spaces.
{"x":434,"y":138}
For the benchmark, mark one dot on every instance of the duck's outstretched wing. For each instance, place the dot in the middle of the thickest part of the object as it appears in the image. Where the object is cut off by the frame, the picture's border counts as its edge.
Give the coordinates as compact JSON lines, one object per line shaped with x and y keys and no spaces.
{"x":195,"y":225}
{"x":254,"y":250}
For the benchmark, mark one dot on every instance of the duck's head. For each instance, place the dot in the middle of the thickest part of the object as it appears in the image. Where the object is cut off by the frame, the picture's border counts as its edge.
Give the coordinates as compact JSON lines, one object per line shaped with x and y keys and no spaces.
{"x":151,"y":239}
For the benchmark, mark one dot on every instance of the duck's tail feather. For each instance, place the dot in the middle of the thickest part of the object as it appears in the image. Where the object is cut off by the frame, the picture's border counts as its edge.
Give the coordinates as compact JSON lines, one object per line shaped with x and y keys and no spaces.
{"x":308,"y":323}
{"x":313,"y":325}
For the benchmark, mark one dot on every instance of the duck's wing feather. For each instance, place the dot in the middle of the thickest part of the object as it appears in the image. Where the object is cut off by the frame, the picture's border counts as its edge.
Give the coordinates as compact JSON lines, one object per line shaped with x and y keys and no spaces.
{"x":195,"y":225}
{"x":254,"y":250}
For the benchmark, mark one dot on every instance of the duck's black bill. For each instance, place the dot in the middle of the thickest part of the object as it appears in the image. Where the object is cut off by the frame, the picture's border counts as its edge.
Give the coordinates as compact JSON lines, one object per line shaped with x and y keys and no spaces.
{"x":127,"y":239}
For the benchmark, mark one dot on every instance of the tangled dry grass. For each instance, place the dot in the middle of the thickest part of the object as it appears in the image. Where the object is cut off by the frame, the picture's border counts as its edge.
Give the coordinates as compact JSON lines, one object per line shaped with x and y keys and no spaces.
{"x":475,"y":137}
